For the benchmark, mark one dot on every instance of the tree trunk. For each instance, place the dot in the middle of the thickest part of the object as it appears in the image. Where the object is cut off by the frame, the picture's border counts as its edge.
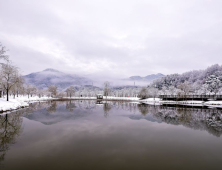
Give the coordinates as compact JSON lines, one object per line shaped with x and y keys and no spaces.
{"x":7,"y":93}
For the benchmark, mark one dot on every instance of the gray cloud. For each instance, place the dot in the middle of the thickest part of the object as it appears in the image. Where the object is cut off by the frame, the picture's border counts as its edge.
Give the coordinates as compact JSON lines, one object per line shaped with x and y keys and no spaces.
{"x":112,"y":38}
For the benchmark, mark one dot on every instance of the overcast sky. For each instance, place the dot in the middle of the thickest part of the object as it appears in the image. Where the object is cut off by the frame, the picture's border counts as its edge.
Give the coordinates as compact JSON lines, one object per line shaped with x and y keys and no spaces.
{"x":118,"y":38}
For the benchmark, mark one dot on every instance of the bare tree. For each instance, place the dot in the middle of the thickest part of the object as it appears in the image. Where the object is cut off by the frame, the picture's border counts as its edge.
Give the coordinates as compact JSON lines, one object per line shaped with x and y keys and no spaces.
{"x":30,"y":90}
{"x":106,"y":89}
{"x":53,"y":90}
{"x":40,"y":92}
{"x":9,"y":77}
{"x":70,"y":91}
{"x":18,"y":87}
{"x":2,"y":53}
{"x":61,"y":94}
{"x":143,"y":93}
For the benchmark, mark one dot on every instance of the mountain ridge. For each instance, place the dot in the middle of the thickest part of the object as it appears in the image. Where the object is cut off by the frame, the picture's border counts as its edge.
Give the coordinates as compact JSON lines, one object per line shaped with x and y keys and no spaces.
{"x":148,"y":78}
{"x":51,"y":76}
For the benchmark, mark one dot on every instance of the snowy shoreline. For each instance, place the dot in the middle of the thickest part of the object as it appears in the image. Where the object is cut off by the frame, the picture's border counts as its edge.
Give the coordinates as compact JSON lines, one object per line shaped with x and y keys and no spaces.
{"x":21,"y":102}
{"x":187,"y":102}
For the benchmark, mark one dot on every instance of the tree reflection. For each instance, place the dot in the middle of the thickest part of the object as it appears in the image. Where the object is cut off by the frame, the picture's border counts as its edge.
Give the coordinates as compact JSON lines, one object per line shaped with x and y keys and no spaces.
{"x":70,"y":106}
{"x":143,"y":108}
{"x":206,"y":119}
{"x":10,"y":129}
{"x":52,"y":107}
{"x":106,"y":108}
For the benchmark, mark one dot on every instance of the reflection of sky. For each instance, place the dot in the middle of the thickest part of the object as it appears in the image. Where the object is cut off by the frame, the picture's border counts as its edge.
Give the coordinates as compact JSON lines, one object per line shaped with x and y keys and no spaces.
{"x":113,"y":142}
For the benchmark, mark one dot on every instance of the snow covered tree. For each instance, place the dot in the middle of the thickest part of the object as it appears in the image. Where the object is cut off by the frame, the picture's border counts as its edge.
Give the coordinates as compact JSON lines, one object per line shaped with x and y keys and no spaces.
{"x":185,"y":87}
{"x":164,"y":90}
{"x":61,"y":94}
{"x":106,"y":89}
{"x":196,"y":77}
{"x":143,"y":93}
{"x":53,"y":90}
{"x":154,"y":92}
{"x":30,"y":90}
{"x":204,"y":89}
{"x":3,"y":53}
{"x":17,"y":88}
{"x":70,"y":91}
{"x":172,"y":90}
{"x":220,"y":91}
{"x":9,"y":75}
{"x":214,"y":83}
{"x":195,"y":87}
{"x":40,"y":92}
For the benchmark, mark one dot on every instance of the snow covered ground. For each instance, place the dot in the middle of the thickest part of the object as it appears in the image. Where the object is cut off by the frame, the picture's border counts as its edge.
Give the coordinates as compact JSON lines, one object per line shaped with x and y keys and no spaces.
{"x":213,"y":103}
{"x":11,"y":105}
{"x":18,"y":102}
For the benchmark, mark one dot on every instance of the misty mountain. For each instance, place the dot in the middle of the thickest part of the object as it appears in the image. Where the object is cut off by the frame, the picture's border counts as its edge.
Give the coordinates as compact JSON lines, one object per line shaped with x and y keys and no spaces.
{"x":54,"y":77}
{"x":148,"y":78}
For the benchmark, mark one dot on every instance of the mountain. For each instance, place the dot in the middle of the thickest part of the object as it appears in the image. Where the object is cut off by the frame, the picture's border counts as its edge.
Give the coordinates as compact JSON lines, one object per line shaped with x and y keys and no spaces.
{"x":54,"y":77}
{"x":148,"y":78}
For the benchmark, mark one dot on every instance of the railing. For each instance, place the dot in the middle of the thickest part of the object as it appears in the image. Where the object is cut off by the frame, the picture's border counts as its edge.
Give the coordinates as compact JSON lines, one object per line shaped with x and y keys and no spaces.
{"x":192,"y":96}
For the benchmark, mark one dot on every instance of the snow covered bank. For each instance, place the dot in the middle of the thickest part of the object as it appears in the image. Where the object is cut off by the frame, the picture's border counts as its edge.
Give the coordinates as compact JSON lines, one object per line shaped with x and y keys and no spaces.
{"x":18,"y":102}
{"x":213,"y":103}
{"x":11,"y":105}
{"x":158,"y":101}
{"x":23,"y":101}
{"x":121,"y":98}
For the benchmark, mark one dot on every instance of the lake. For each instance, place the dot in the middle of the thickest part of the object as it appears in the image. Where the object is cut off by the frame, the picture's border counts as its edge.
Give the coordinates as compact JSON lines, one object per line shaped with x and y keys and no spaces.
{"x":110,"y":135}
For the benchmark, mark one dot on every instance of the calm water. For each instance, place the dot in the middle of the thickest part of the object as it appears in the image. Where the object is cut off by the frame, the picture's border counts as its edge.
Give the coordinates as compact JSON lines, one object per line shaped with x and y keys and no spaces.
{"x":114,"y":135}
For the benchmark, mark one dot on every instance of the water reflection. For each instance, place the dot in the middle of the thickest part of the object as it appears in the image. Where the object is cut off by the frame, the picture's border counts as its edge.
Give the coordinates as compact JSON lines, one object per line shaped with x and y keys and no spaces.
{"x":209,"y":120}
{"x":58,"y":111}
{"x":11,"y":126}
{"x":70,"y":106}
{"x":106,"y":107}
{"x":52,"y":107}
{"x":206,"y":119}
{"x":115,"y":132}
{"x":10,"y":129}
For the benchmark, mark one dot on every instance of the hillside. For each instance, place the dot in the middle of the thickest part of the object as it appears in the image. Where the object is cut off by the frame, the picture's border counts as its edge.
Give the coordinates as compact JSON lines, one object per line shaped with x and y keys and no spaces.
{"x":212,"y":77}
